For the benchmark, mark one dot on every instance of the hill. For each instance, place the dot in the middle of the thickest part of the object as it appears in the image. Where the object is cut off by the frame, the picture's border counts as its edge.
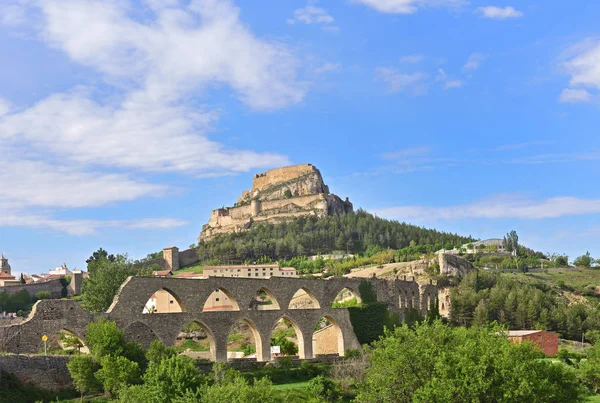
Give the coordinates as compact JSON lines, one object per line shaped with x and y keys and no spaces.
{"x":358,"y":232}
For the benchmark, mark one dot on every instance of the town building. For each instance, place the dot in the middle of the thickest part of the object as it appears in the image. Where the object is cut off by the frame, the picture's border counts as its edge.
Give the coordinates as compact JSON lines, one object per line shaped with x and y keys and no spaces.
{"x":250,"y":271}
{"x":546,"y":341}
{"x":61,"y":271}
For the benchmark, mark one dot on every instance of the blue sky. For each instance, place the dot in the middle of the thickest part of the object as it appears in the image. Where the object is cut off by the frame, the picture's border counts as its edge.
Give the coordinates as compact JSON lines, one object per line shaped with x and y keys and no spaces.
{"x":123,"y":123}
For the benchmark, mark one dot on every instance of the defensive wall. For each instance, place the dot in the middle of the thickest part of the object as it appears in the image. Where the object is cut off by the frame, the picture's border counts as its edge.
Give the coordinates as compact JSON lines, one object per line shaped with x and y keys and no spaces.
{"x":54,"y":316}
{"x":44,"y":372}
{"x":54,"y":287}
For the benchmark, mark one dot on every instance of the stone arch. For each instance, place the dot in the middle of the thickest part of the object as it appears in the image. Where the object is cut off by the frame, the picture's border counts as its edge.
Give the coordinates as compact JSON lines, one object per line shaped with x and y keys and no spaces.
{"x":304,"y":299}
{"x":196,"y":331}
{"x":297,"y":330}
{"x":163,"y":300}
{"x":258,"y":341}
{"x":140,"y":333}
{"x":346,"y":297}
{"x":328,"y":339}
{"x":220,"y":300}
{"x":260,"y":303}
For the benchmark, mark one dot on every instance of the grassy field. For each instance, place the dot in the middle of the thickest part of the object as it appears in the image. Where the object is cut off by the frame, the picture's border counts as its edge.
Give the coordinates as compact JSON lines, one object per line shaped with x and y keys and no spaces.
{"x":195,"y":268}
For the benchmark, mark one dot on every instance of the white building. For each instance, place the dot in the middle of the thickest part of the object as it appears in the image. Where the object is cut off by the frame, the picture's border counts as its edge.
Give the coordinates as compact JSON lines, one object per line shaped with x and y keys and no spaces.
{"x":250,"y":271}
{"x":60,"y":271}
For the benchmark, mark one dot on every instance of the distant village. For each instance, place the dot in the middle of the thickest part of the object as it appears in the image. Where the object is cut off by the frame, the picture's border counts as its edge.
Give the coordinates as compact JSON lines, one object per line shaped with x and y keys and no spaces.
{"x":8,"y":279}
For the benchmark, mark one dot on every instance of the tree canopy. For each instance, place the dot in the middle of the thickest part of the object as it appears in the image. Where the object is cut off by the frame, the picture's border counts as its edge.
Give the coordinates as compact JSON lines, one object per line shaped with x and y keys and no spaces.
{"x":438,"y":363}
{"x":354,"y":233}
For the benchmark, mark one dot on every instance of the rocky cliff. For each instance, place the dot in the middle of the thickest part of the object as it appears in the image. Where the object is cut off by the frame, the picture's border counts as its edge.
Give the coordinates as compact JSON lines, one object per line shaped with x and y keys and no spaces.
{"x":277,"y":195}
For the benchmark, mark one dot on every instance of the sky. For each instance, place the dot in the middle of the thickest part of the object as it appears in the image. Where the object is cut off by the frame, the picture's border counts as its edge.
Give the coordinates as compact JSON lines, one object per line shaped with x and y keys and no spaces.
{"x":124,"y":123}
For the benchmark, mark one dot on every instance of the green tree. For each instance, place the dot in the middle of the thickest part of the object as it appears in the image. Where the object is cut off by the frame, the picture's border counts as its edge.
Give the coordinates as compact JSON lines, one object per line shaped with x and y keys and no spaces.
{"x":172,"y":376}
{"x":22,"y":279}
{"x":511,"y":242}
{"x":106,"y":274}
{"x":589,"y":370}
{"x":584,"y":261}
{"x":83,"y":369}
{"x":104,"y":338}
{"x":437,"y":363}
{"x":158,"y":351}
{"x":116,"y":373}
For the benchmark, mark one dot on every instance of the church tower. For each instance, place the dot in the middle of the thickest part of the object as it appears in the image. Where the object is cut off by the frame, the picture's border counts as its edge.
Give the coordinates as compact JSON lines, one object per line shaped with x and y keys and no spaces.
{"x":4,"y":266}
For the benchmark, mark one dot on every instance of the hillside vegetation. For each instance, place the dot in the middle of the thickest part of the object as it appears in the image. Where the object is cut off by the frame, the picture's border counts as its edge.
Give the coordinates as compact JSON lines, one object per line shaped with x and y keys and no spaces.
{"x":302,"y":236}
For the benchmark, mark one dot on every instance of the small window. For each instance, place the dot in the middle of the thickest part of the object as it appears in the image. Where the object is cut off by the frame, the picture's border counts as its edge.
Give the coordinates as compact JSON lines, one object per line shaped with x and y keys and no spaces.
{"x":249,"y":274}
{"x":171,"y":301}
{"x":256,"y":274}
{"x":216,"y":299}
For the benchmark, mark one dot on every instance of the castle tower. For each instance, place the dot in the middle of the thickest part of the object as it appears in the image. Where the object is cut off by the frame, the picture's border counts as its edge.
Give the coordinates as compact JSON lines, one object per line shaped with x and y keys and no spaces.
{"x":171,"y":258}
{"x":4,"y":266}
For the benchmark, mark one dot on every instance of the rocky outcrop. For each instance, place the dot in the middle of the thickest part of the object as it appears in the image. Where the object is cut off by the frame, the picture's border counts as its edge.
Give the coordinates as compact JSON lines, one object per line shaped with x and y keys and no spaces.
{"x":277,"y":195}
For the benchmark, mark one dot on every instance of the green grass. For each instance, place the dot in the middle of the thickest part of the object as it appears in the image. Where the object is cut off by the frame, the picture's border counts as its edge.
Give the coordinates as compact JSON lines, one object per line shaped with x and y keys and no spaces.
{"x":192,"y":346}
{"x":288,"y":386}
{"x":593,"y":399}
{"x":194,"y":268}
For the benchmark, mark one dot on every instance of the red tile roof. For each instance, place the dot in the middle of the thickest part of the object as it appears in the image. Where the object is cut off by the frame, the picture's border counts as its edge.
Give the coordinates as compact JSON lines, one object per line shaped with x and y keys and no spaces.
{"x":162,"y":273}
{"x":7,"y":276}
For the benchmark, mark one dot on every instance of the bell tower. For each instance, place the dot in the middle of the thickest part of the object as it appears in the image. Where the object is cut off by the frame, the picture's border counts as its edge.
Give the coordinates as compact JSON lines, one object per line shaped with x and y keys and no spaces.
{"x":4,"y":266}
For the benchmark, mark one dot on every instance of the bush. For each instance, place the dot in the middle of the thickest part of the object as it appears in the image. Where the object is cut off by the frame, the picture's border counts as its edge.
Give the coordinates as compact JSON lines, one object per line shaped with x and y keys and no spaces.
{"x":158,"y":351}
{"x":104,"y":338}
{"x":116,"y":373}
{"x":172,"y":376}
{"x":323,"y":388}
{"x":43,"y":295}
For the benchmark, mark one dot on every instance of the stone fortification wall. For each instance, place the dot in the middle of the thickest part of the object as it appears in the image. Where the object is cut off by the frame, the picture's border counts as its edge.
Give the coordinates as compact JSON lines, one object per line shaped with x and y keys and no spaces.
{"x":54,"y":287}
{"x":188,"y":257}
{"x":276,"y":194}
{"x":44,"y":372}
{"x":283,"y":174}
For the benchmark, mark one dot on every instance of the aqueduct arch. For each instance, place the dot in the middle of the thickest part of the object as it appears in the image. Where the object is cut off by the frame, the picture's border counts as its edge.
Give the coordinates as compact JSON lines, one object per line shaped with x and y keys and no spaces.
{"x":192,"y":294}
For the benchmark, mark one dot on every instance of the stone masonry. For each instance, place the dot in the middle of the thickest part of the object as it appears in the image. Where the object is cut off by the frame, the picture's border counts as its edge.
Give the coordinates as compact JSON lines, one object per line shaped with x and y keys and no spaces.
{"x":53,"y":316}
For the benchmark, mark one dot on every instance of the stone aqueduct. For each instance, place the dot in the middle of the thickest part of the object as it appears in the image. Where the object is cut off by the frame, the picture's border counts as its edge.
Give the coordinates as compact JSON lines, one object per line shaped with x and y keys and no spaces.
{"x":53,"y":316}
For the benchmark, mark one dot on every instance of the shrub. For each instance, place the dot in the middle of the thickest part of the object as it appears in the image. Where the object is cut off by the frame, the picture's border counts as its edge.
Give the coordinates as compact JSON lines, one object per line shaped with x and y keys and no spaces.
{"x":323,"y":388}
{"x":172,"y":376}
{"x":43,"y":295}
{"x":117,"y":372}
{"x":104,"y":338}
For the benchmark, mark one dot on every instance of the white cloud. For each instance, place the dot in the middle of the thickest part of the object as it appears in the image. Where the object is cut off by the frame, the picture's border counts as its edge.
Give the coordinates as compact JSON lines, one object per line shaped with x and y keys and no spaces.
{"x":157,"y":64}
{"x":411,"y":59}
{"x":473,"y":62}
{"x":37,"y":184}
{"x":584,"y":64}
{"x":499,"y":13}
{"x":453,"y":84}
{"x":5,"y":107}
{"x":311,"y":14}
{"x":87,"y":227}
{"x":397,"y":81}
{"x":574,"y":96}
{"x":327,"y":67}
{"x":408,"y":6}
{"x":499,"y":207}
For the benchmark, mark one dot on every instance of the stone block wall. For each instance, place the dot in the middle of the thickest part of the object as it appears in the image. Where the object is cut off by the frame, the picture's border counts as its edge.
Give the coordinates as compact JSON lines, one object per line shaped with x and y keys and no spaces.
{"x":44,"y":372}
{"x":54,"y":287}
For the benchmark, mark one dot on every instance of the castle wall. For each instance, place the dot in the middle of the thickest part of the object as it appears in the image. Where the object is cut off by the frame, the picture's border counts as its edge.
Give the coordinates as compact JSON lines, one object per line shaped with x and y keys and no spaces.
{"x":281,"y":175}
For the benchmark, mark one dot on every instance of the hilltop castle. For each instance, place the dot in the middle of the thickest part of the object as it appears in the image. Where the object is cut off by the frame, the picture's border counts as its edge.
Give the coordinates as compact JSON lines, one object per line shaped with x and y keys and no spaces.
{"x":277,"y":195}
